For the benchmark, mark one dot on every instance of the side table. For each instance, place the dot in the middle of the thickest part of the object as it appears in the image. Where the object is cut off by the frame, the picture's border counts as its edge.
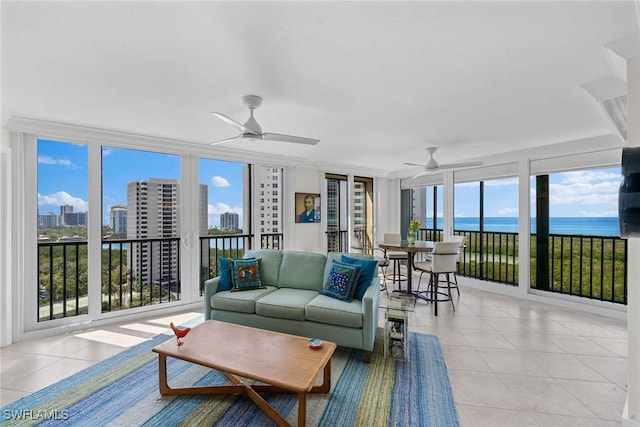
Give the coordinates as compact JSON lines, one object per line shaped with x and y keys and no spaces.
{"x":396,"y":329}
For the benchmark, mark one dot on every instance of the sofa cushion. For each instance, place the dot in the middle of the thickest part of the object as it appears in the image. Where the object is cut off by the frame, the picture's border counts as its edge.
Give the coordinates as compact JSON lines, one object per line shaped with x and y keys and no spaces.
{"x":341,"y":282}
{"x":301,"y":270}
{"x":243,"y":302}
{"x":331,"y":256}
{"x":324,"y":309}
{"x":224,"y":271}
{"x":285,"y":303}
{"x":368,"y":270}
{"x":270,"y":265}
{"x":246,"y":274}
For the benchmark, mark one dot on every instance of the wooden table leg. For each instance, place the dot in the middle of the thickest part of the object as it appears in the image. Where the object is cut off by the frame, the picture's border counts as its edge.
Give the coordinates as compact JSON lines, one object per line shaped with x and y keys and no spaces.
{"x":302,"y":409}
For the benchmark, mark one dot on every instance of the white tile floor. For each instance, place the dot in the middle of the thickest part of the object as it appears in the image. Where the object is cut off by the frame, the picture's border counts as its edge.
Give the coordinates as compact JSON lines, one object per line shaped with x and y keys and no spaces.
{"x":511,"y":362}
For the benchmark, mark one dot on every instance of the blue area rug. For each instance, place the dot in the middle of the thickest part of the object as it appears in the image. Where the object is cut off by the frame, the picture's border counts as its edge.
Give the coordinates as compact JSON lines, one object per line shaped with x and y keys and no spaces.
{"x":123,"y":391}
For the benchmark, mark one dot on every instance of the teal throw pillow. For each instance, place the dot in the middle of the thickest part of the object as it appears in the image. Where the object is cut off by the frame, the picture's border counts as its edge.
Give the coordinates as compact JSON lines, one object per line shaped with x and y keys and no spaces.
{"x":224,"y":271}
{"x":246,"y":274}
{"x":342,"y":280}
{"x":368,"y":270}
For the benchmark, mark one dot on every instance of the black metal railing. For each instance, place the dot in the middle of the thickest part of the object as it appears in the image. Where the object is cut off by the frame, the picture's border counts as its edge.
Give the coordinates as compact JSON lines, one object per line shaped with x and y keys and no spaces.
{"x":271,"y":241}
{"x":337,"y":240}
{"x":212,"y":248}
{"x":62,"y":280}
{"x":593,"y":267}
{"x":139,"y":272}
{"x":588,"y":266}
{"x":490,"y":256}
{"x":147,"y":271}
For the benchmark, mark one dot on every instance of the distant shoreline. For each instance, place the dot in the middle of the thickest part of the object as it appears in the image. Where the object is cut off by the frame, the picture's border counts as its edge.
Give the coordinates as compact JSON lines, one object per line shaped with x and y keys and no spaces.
{"x":592,"y":226}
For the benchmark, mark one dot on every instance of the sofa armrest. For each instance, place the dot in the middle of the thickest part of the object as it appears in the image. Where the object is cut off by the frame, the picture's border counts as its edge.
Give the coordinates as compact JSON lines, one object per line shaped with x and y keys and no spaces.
{"x":210,"y":288}
{"x":370,"y":304}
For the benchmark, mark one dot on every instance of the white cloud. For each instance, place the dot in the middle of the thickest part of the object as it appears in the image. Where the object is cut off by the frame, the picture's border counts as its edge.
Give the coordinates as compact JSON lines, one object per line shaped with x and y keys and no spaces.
{"x":47,"y":160}
{"x":598,"y":213}
{"x":508,"y":212}
{"x":219,"y":181}
{"x":501,"y":181}
{"x":63,"y":198}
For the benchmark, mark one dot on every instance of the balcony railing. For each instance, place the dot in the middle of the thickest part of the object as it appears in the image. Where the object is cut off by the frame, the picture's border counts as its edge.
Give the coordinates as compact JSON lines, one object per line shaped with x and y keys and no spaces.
{"x":593,"y":267}
{"x":588,"y":266}
{"x":139,"y":272}
{"x":337,"y":240}
{"x":134,"y":273}
{"x":147,"y":271}
{"x":62,"y":279}
{"x":212,"y":248}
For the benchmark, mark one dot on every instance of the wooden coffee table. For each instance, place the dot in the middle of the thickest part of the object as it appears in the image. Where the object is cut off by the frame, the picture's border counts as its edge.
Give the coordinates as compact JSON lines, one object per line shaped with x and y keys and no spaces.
{"x":282,"y":363}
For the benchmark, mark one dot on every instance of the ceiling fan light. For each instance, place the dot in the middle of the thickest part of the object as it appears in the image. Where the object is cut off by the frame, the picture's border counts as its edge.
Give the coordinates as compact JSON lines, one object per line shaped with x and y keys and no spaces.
{"x":253,"y":125}
{"x":431,"y":164}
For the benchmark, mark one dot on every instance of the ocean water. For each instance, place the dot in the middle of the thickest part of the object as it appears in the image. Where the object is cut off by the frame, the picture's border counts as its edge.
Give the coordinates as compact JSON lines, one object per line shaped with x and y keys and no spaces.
{"x":588,"y":226}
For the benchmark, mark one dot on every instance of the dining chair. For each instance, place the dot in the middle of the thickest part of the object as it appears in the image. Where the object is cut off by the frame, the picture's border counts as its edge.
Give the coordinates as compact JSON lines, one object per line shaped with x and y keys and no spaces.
{"x":443,"y":261}
{"x":396,"y":257}
{"x":383,"y":261}
{"x":461,"y":240}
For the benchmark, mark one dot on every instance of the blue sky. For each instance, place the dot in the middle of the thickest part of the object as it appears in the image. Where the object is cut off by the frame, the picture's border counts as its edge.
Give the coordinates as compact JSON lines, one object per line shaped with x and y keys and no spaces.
{"x":588,"y":193}
{"x":62,"y":178}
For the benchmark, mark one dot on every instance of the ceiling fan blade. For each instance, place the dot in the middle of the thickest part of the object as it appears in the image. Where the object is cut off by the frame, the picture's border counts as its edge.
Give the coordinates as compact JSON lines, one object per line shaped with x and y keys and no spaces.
{"x":226,"y":140}
{"x":228,"y":120}
{"x":289,"y":138}
{"x":420,"y":174}
{"x":414,"y":164}
{"x":460,"y":165}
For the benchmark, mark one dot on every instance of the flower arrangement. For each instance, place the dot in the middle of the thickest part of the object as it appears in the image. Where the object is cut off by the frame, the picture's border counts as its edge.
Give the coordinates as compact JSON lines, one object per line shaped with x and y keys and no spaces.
{"x":412,"y":233}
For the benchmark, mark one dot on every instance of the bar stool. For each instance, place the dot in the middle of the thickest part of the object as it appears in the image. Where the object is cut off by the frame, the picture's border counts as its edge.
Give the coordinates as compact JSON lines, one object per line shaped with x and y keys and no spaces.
{"x":395,"y":258}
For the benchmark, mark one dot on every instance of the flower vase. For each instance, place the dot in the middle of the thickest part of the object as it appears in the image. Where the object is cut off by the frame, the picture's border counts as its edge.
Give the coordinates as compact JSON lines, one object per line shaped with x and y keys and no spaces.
{"x":411,"y":236}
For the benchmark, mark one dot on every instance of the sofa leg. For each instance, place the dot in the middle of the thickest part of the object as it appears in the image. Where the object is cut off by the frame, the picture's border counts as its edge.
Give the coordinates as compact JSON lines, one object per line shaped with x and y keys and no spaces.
{"x":366,"y":357}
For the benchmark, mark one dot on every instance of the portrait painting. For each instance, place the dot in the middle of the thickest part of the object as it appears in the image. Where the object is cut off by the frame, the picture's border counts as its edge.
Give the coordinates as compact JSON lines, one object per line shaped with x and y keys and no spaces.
{"x":307,"y":208}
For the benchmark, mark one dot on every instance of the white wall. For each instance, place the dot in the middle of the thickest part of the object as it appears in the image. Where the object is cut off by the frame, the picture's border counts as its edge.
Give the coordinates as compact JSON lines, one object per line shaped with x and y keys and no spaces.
{"x":388,"y":207}
{"x":6,"y":311}
{"x":307,"y":237}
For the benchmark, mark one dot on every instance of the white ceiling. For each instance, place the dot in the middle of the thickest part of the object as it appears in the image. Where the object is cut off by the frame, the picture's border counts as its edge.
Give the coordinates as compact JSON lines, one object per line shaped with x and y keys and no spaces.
{"x":376,"y":82}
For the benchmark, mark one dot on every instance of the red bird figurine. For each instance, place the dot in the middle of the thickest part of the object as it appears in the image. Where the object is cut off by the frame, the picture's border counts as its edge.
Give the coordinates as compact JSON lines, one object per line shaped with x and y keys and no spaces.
{"x":180,"y":332}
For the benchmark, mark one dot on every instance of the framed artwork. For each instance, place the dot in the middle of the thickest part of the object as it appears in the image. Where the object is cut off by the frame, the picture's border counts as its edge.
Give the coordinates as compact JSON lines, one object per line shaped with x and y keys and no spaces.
{"x":307,"y":208}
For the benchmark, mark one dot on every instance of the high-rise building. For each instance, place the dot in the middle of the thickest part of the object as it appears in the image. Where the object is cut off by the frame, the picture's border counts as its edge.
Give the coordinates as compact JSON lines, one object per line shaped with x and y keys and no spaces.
{"x":269,"y":203}
{"x":229,"y":221}
{"x":204,"y":209}
{"x":118,"y":219}
{"x":50,"y":220}
{"x":359,"y":206}
{"x":153,"y":213}
{"x":74,"y":219}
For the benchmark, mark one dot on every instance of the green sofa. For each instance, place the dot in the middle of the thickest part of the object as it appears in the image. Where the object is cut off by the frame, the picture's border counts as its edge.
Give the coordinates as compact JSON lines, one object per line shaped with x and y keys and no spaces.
{"x":291,"y":302}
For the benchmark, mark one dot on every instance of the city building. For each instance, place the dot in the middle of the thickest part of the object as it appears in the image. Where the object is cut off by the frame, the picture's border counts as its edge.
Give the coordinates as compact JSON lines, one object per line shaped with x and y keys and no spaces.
{"x":118,"y":219}
{"x":229,"y":221}
{"x":270,"y":200}
{"x":153,"y":213}
{"x":49,"y":220}
{"x":204,"y":209}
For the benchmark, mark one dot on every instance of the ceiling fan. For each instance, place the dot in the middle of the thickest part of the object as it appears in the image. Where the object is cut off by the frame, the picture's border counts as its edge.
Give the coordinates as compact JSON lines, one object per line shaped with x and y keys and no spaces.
{"x":433,"y":166}
{"x":252,"y":130}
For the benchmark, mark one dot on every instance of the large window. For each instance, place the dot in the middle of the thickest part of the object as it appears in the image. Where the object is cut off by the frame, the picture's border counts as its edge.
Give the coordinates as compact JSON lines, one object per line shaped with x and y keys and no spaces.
{"x":62,"y":229}
{"x":575,"y":243}
{"x":486,"y":213}
{"x":141,"y":222}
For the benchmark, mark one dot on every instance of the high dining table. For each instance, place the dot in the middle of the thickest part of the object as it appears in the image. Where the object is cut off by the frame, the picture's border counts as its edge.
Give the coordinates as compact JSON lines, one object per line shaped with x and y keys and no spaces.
{"x":411,"y":250}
